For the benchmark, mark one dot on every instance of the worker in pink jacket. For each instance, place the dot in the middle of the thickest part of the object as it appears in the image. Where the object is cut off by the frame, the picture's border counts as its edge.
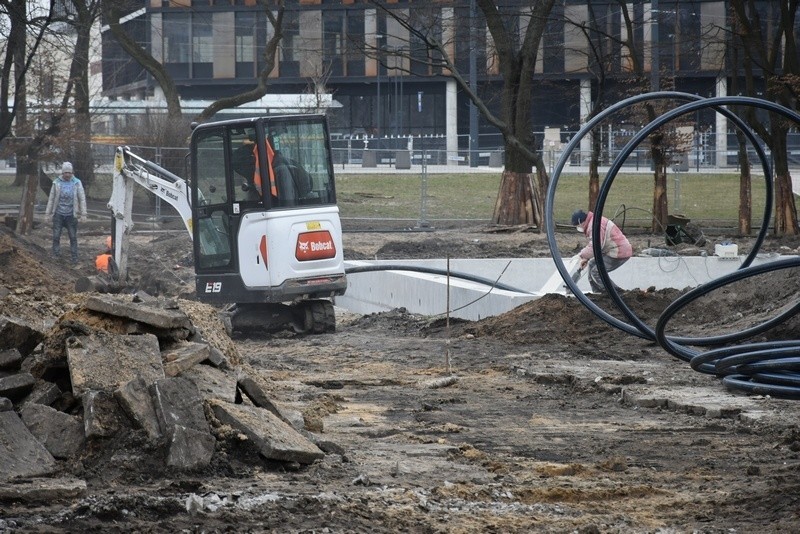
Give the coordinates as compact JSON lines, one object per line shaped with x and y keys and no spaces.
{"x":615,"y":247}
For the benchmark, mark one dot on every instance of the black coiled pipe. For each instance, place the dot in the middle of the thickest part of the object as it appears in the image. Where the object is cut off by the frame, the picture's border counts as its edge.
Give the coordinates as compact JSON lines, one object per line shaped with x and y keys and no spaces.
{"x":767,"y":368}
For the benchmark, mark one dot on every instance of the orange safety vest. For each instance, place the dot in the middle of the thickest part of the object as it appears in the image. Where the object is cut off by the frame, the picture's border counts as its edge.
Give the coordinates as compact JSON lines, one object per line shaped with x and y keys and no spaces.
{"x":102,"y":262}
{"x":273,"y":187}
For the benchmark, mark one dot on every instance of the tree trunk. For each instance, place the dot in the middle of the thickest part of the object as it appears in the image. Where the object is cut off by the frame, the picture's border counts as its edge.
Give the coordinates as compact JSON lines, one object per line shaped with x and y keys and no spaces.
{"x":28,"y":200}
{"x":660,"y":201}
{"x":82,"y":153}
{"x":517,"y":200}
{"x":594,"y":171}
{"x":745,"y":187}
{"x":785,"y":210}
{"x":21,"y":100}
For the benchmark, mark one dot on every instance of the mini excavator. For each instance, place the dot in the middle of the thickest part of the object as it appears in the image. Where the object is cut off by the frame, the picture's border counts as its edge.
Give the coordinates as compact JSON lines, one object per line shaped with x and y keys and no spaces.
{"x":260,"y":208}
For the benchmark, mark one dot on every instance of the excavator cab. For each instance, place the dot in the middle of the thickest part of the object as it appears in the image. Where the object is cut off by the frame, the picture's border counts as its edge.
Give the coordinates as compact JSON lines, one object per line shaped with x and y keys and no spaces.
{"x":265,"y":223}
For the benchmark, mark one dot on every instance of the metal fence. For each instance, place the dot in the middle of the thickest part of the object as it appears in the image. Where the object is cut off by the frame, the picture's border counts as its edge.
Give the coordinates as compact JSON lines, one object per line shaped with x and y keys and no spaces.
{"x":417,"y":158}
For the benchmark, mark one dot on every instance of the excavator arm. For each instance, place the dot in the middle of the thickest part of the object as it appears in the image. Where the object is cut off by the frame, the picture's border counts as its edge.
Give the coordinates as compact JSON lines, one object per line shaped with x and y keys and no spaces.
{"x":130,"y":169}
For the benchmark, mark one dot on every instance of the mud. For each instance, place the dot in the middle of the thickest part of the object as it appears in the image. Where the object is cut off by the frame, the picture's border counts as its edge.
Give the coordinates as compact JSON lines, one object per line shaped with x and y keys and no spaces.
{"x":517,"y":423}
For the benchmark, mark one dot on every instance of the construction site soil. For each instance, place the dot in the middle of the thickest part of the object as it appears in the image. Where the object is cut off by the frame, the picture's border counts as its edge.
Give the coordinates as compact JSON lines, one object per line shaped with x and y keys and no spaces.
{"x":516,"y":423}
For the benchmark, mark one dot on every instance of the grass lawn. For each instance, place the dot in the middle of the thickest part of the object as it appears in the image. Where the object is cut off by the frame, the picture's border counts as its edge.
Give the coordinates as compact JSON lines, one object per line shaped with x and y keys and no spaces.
{"x":704,"y":198}
{"x":710,"y":200}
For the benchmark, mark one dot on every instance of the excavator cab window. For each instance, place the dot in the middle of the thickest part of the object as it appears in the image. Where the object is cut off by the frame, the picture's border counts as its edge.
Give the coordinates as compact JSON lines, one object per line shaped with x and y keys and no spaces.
{"x":210,"y":200}
{"x":299,"y":165}
{"x":244,"y":161}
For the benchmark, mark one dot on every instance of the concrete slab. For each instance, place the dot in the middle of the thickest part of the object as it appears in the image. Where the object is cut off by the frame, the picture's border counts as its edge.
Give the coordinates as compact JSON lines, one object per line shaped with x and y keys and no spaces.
{"x":102,"y":415}
{"x":21,"y":454}
{"x":218,"y":360}
{"x":258,"y":395}
{"x":16,"y":386}
{"x":17,"y":334}
{"x":184,"y":357}
{"x":190,"y":448}
{"x":43,"y":392}
{"x":135,"y":400}
{"x":60,"y":433}
{"x":213,"y":383}
{"x":10,"y":359}
{"x":43,"y":490}
{"x":178,"y":402}
{"x":151,"y":313}
{"x":104,"y":362}
{"x":274,"y":438}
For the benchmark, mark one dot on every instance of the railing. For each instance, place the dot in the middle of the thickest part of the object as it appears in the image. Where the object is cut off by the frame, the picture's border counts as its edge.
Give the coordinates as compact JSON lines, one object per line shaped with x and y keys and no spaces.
{"x":427,"y":173}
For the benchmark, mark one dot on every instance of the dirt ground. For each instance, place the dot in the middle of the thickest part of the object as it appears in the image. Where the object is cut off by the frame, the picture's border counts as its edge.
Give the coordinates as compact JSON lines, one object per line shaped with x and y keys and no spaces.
{"x":530,"y":429}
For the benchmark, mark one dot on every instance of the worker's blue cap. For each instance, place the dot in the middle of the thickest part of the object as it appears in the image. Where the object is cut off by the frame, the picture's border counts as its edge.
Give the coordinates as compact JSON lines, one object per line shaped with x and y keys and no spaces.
{"x":578,"y":217}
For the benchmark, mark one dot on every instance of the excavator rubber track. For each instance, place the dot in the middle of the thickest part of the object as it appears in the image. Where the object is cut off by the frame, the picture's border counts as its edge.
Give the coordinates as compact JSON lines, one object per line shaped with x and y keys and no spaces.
{"x":318,"y":317}
{"x":304,"y":317}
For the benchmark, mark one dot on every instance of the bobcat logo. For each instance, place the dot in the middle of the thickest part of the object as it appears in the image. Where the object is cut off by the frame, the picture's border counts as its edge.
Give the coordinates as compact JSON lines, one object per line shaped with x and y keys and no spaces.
{"x":316,"y":245}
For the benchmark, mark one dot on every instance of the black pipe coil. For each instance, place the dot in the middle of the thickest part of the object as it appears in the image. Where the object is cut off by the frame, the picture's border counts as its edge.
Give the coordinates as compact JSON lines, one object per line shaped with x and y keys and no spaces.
{"x":763,"y":368}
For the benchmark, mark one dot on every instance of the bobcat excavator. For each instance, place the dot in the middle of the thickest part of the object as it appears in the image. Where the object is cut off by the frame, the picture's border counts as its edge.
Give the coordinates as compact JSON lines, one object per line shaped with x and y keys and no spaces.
{"x":260,"y":208}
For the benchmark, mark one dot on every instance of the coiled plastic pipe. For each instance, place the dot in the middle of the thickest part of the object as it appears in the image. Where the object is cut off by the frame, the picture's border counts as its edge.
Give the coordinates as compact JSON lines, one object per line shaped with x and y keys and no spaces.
{"x":769,"y":368}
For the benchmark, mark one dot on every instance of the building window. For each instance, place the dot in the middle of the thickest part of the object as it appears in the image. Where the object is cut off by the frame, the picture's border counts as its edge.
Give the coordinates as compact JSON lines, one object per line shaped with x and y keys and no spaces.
{"x":690,"y":36}
{"x":553,"y":42}
{"x":176,"y":44}
{"x":202,"y":46}
{"x":289,"y":65}
{"x":354,"y":43}
{"x":333,"y":41}
{"x":245,"y":43}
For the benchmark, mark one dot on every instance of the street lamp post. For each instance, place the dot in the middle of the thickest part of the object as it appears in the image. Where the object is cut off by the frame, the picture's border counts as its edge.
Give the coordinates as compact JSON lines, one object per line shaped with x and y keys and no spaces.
{"x":379,"y":47}
{"x":473,"y":83}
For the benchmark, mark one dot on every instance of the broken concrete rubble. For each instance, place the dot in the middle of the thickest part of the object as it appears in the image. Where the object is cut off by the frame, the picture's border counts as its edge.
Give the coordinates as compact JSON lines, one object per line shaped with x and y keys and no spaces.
{"x":104,"y":361}
{"x":17,"y":334}
{"x":10,"y":359}
{"x":93,"y":384}
{"x":60,"y":433}
{"x":21,"y":454}
{"x":274,"y":438}
{"x":102,"y":417}
{"x":190,"y":448}
{"x":184,"y":357}
{"x":177,"y":402}
{"x":134,"y":398}
{"x":148,"y":313}
{"x":213,"y":383}
{"x":16,"y":386}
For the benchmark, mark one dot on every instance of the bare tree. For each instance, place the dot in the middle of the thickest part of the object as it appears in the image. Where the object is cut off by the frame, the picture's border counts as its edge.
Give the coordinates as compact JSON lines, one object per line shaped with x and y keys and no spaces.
{"x":745,"y":225}
{"x":519,"y":199}
{"x":22,"y":24}
{"x":769,"y":48}
{"x":276,"y":20}
{"x":17,"y":56}
{"x":618,"y":56}
{"x":112,"y":14}
{"x":159,"y":72}
{"x":86,"y":14}
{"x":657,"y":141}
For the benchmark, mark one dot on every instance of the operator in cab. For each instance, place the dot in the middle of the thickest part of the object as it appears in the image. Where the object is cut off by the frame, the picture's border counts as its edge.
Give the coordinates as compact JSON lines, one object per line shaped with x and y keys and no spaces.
{"x":245,"y":163}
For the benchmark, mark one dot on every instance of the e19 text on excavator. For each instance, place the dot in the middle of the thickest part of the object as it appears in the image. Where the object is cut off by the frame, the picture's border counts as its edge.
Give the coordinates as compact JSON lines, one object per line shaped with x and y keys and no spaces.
{"x":260,"y":207}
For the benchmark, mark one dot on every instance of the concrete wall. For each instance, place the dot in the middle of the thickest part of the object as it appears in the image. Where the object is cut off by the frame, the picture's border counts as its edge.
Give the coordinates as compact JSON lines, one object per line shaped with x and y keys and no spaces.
{"x":428,"y":294}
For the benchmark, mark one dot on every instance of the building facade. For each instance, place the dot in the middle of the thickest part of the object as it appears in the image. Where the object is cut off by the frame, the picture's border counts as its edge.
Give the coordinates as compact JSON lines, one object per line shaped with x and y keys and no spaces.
{"x":215,"y":48}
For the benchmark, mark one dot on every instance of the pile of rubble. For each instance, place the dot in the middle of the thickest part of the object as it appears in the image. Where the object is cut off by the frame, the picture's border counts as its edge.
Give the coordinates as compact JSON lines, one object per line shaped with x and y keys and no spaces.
{"x":121,"y":364}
